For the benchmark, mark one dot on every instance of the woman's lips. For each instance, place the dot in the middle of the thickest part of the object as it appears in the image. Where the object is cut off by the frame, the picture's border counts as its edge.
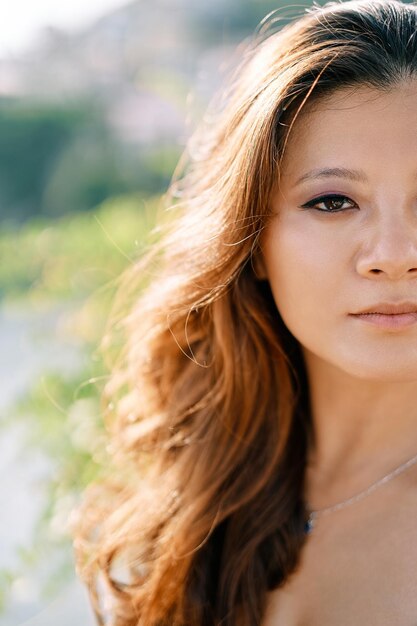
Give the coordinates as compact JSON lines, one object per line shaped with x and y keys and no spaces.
{"x":395,"y":321}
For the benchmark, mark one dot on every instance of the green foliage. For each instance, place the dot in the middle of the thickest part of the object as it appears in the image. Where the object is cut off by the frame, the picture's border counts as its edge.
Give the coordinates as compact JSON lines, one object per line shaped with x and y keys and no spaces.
{"x":7,"y":577}
{"x":62,"y":421}
{"x":32,"y":136}
{"x":57,"y":159}
{"x":155,"y":167}
{"x":70,"y":258}
{"x":238,"y":19}
{"x":76,"y":259}
{"x":84,"y":175}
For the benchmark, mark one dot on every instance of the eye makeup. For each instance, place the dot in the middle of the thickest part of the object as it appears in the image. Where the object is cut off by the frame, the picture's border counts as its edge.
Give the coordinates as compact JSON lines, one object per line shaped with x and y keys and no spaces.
{"x":337,"y":200}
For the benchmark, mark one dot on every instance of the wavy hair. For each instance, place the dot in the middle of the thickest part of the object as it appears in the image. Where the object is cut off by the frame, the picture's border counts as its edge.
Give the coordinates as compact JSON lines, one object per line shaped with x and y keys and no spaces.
{"x":208,"y":404}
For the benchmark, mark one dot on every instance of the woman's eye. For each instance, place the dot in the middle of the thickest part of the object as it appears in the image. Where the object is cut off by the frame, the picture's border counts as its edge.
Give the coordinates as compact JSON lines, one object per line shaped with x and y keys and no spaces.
{"x":331,"y":203}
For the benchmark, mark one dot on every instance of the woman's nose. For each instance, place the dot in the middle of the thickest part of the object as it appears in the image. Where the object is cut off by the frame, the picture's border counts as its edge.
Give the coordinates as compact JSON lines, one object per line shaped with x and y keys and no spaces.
{"x":390,"y":251}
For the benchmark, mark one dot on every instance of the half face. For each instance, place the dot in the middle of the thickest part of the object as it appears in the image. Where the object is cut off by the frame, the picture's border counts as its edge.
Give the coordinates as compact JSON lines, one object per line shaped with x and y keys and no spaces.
{"x":343,"y":238}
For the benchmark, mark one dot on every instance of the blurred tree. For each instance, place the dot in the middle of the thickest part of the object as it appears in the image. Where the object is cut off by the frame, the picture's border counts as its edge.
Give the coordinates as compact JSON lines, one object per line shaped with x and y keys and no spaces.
{"x":58,"y":159}
{"x":84,"y":174}
{"x":31,"y":137}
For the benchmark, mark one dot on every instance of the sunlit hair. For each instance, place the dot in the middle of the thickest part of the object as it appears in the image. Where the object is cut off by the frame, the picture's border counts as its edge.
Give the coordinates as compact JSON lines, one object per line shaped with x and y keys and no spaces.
{"x":208,"y":402}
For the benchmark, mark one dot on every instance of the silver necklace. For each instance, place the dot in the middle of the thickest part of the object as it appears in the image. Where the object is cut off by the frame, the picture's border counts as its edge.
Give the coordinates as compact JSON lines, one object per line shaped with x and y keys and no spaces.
{"x":313,"y":515}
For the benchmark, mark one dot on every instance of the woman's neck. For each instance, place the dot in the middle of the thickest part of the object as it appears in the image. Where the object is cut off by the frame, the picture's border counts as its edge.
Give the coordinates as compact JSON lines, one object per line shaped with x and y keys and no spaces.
{"x":362,"y":430}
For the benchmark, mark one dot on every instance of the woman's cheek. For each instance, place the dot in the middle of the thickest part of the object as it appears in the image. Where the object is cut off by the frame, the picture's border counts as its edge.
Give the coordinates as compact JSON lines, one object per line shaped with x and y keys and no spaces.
{"x":304,"y":275}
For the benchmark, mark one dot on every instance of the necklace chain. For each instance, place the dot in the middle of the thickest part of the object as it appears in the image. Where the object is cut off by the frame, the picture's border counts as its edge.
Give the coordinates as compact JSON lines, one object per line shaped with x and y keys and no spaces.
{"x":314,"y":514}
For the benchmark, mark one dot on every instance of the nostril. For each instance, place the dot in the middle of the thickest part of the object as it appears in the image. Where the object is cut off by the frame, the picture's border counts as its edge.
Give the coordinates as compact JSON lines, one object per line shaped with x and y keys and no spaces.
{"x":378,"y":271}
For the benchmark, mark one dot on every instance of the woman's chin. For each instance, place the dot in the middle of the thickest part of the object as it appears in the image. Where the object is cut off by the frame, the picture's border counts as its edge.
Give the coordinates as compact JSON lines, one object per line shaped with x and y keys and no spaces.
{"x":385,"y":366}
{"x":383,"y":370}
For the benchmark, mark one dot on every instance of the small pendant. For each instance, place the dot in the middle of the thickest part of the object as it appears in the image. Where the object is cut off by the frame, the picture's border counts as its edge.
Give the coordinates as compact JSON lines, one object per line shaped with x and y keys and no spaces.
{"x":309,"y":525}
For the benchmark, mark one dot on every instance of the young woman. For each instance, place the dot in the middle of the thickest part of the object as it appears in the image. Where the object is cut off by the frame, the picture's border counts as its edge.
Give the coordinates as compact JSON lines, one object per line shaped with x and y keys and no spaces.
{"x":264,"y":412}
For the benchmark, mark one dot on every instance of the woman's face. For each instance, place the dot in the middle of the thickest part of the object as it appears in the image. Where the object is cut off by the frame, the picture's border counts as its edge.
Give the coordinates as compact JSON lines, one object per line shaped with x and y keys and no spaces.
{"x":327,"y":259}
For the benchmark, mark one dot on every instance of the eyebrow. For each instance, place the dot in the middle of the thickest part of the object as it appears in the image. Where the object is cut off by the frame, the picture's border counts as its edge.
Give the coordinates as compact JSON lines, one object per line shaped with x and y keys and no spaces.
{"x":333,"y":172}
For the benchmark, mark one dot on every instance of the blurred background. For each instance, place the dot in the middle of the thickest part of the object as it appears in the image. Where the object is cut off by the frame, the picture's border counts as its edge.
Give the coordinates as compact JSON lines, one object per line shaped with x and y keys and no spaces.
{"x":97,"y":100}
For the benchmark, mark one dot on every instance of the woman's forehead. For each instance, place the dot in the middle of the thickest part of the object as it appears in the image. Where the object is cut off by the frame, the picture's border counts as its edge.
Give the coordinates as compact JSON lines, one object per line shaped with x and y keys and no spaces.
{"x":354,"y":123}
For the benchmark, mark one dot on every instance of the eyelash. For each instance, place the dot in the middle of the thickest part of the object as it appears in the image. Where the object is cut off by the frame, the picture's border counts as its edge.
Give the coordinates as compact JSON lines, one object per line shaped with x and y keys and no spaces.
{"x":312,"y":204}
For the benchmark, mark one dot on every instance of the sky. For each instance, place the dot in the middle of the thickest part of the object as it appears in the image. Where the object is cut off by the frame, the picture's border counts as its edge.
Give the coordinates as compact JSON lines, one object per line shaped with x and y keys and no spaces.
{"x":21,"y":20}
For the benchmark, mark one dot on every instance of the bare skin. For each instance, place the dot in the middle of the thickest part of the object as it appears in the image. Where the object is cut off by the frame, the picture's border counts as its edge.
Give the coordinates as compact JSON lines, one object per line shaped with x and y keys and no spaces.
{"x":359,"y":564}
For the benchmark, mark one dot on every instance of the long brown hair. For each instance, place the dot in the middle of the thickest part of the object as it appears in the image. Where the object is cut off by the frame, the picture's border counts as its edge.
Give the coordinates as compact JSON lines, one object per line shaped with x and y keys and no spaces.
{"x":208,"y":403}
